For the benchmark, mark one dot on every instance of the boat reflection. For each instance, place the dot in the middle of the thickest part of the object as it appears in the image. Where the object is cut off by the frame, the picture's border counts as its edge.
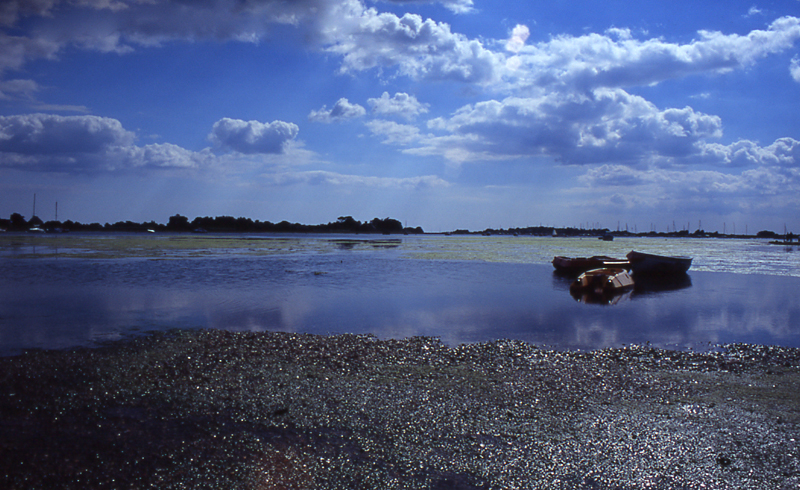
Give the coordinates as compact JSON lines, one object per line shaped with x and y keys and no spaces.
{"x":654,"y":284}
{"x":644,"y":285}
{"x":591,"y":297}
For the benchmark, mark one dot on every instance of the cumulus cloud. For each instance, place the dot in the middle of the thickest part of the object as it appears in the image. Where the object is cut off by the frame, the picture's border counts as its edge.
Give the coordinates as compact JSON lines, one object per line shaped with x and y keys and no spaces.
{"x":160,"y":156}
{"x":366,"y":39}
{"x":597,"y":60}
{"x":340,"y":111}
{"x":519,"y":35}
{"x":252,"y":136}
{"x":457,"y":6}
{"x":708,"y":190}
{"x":784,"y":152}
{"x":45,"y":134}
{"x":122,"y":25}
{"x":794,"y":69}
{"x":565,"y":98}
{"x":402,"y":104}
{"x":416,"y":47}
{"x":84,"y":144}
{"x":596,"y":127}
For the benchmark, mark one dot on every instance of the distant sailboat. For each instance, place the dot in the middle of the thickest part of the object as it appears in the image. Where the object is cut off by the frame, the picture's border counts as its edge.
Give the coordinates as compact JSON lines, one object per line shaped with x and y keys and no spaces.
{"x":35,"y":228}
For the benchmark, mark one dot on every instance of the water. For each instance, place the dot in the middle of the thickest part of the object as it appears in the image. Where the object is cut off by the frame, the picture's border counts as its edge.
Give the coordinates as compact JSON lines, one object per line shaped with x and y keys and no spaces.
{"x":62,"y":291}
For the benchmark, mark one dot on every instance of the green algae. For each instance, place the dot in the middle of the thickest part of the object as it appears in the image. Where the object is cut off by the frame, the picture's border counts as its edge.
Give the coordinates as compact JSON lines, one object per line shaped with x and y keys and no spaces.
{"x":168,"y":246}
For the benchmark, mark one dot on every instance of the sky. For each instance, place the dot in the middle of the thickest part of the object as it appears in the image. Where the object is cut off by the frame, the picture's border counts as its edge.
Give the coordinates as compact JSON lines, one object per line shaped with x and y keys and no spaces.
{"x":444,"y":114}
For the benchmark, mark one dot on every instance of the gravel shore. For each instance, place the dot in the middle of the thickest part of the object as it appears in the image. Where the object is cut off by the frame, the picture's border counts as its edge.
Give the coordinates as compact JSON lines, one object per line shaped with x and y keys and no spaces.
{"x":215,"y":409}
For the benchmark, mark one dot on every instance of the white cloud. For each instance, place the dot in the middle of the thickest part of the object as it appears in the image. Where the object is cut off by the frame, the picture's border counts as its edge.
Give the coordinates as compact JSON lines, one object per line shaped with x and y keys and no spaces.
{"x":753,"y":11}
{"x":15,"y":51}
{"x":595,"y":60}
{"x":767,"y":176}
{"x":363,"y":37}
{"x":420,"y":49}
{"x":341,"y":111}
{"x":784,"y":152}
{"x":159,"y":156}
{"x":366,"y":39}
{"x":44,"y":134}
{"x":394,"y":133}
{"x":84,"y":144}
{"x":252,"y":136}
{"x":120,"y":26}
{"x":13,"y":10}
{"x":18,"y":88}
{"x":596,"y":127}
{"x":402,"y":104}
{"x":794,"y":69}
{"x":457,"y":6}
{"x":319,"y":177}
{"x":519,"y":35}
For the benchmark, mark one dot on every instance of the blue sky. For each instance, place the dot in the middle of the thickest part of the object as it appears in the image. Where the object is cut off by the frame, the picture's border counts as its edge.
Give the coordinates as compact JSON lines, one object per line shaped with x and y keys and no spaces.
{"x":444,"y":114}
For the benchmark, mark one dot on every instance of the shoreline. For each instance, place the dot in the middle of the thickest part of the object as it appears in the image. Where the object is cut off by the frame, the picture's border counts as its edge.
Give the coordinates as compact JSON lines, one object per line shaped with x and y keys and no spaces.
{"x":218,"y":409}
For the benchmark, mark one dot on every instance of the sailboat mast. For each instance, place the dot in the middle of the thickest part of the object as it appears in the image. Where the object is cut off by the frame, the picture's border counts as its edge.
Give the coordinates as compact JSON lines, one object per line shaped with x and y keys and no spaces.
{"x":34,"y":205}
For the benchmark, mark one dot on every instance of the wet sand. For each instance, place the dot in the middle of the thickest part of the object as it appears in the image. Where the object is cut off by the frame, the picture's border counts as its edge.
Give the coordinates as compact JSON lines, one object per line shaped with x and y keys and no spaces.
{"x":216,"y":409}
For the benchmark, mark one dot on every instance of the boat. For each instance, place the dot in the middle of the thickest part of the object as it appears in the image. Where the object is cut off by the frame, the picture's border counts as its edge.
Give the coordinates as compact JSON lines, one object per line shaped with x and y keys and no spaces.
{"x":643,"y":263}
{"x":576,"y":265}
{"x":607,"y":237}
{"x":602,"y":282}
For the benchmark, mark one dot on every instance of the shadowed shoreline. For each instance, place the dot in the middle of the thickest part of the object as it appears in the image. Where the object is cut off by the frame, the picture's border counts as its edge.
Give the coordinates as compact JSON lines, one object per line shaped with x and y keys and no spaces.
{"x":216,"y":409}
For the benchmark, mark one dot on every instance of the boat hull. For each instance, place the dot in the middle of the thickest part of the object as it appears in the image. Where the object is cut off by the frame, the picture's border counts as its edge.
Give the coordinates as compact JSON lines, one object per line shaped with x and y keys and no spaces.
{"x":643,"y":263}
{"x":576,"y":265}
{"x":601,"y":285}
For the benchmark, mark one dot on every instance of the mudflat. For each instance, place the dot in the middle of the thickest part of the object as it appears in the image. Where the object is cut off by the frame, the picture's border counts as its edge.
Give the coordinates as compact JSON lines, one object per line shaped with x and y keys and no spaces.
{"x":217,"y":409}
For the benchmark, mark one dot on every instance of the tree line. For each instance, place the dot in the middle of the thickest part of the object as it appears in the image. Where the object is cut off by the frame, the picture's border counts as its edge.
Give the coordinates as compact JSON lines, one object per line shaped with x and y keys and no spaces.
{"x":178,"y":223}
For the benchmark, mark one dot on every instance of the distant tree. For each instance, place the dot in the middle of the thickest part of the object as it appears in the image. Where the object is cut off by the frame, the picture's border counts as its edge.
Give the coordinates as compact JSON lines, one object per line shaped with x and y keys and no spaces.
{"x":18,"y":222}
{"x":178,"y":223}
{"x":766,"y":234}
{"x":346,"y":224}
{"x":387,"y":225}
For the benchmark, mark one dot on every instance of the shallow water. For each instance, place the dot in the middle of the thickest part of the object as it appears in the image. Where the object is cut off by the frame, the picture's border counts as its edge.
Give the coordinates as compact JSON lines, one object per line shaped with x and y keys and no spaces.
{"x":61,"y":291}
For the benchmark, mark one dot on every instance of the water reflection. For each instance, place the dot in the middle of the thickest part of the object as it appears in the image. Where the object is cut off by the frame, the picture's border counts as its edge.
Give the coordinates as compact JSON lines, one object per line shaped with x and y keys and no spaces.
{"x":644,"y":285}
{"x":58,"y":303}
{"x":650,"y":284}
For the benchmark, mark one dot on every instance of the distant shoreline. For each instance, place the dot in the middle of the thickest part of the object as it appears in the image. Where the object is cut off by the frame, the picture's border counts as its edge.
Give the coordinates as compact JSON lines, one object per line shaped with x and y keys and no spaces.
{"x":347,"y":224}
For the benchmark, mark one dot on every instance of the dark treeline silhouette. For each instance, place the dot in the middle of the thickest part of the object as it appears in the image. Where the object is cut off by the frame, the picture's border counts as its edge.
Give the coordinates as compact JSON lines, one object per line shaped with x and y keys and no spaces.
{"x":599,"y":232}
{"x":344,"y":224}
{"x":229,"y":224}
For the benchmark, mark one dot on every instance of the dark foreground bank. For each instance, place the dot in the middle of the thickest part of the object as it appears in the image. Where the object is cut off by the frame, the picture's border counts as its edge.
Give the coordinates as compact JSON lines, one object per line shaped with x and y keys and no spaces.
{"x":215,"y":409}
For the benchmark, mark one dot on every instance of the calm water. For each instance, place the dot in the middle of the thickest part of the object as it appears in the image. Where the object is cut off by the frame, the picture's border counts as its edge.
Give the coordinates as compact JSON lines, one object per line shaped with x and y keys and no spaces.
{"x":60,"y":291}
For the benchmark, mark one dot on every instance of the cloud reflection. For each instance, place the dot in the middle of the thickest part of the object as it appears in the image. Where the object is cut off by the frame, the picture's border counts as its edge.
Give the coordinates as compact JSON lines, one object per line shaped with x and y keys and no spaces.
{"x":458,"y":301}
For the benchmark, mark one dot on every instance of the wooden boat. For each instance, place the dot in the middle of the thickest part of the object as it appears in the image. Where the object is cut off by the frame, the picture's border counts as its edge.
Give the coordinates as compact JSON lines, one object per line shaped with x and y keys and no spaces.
{"x":643,"y":263}
{"x":602,"y":282}
{"x":576,"y":265}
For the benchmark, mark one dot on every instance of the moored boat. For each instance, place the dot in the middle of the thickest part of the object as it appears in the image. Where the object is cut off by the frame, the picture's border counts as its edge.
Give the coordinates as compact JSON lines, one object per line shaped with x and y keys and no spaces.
{"x":643,"y":263}
{"x":576,"y":265}
{"x":602,"y":282}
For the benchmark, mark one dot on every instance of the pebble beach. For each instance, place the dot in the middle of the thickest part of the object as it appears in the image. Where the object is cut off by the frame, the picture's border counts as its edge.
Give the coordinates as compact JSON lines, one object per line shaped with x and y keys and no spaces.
{"x":217,"y":409}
